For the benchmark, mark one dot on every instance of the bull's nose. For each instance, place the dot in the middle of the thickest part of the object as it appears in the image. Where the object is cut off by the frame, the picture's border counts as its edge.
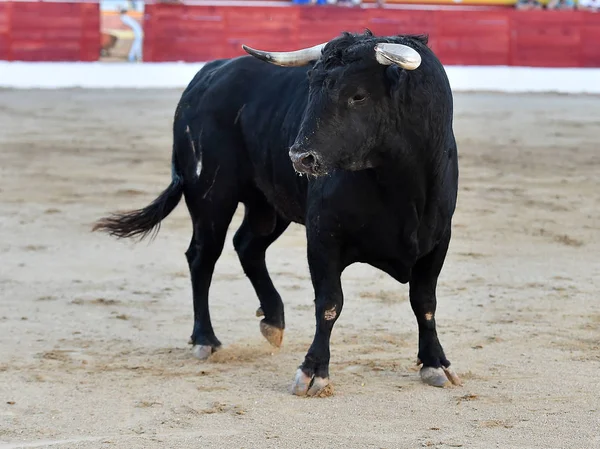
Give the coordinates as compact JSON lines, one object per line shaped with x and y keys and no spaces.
{"x":304,"y":161}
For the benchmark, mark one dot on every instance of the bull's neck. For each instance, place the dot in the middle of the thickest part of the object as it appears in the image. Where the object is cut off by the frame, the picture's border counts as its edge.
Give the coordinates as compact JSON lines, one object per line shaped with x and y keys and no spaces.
{"x":402,"y":180}
{"x":399,"y":167}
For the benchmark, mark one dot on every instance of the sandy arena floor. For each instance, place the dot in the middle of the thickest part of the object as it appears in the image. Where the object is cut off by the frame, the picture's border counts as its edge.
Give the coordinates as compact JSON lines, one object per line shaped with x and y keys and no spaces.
{"x":94,"y":331}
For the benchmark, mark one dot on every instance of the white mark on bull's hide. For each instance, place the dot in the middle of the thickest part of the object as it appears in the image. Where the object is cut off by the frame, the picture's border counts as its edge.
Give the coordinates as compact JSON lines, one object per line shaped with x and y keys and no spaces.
{"x":330,"y":314}
{"x":193,"y":145}
{"x":212,"y":184}
{"x":237,"y":117}
{"x":429,"y":316}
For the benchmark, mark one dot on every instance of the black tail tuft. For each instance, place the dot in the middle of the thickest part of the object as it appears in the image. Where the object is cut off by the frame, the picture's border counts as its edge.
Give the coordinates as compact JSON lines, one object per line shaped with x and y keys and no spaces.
{"x":141,"y":222}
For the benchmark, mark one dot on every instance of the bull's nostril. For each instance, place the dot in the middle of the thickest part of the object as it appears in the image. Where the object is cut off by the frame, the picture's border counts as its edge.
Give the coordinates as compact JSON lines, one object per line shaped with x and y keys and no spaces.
{"x":308,"y":160}
{"x":304,"y":161}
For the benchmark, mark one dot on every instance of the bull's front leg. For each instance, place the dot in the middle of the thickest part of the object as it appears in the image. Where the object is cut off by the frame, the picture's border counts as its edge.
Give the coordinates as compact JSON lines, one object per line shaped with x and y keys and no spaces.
{"x":312,"y":377}
{"x":436,"y":369}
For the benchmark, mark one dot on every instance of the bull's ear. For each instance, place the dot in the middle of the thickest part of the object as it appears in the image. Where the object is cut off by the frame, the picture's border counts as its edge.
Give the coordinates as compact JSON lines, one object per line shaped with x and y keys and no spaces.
{"x":396,"y":76}
{"x":397,"y":81}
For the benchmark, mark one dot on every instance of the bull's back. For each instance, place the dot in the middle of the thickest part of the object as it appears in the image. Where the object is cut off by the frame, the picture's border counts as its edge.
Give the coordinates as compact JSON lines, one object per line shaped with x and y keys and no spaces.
{"x":222,"y":87}
{"x":258,"y":107}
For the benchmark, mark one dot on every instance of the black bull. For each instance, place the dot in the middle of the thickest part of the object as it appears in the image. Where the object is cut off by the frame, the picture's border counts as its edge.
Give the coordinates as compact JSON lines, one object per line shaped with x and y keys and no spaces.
{"x":369,"y":121}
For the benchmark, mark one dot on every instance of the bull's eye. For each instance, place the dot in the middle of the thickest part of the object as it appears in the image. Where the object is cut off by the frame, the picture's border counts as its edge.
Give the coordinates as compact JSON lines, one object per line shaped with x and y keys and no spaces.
{"x":357,"y":99}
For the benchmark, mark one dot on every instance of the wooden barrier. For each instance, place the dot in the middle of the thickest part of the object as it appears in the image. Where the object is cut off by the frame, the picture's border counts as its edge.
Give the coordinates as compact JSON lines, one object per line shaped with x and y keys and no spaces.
{"x":487,"y":36}
{"x":49,"y":31}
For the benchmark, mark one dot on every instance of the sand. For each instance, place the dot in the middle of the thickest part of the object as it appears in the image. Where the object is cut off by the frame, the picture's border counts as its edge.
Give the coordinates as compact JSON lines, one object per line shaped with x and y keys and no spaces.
{"x":94,"y":331}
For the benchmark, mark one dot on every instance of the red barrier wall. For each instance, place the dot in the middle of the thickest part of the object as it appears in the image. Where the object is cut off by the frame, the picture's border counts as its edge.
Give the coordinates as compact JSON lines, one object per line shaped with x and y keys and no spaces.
{"x":501,"y":36}
{"x":48,"y":31}
{"x":63,"y":31}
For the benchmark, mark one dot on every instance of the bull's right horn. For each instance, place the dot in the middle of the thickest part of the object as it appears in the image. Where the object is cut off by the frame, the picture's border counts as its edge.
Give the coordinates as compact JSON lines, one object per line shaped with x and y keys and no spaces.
{"x":288,"y":58}
{"x":402,"y":55}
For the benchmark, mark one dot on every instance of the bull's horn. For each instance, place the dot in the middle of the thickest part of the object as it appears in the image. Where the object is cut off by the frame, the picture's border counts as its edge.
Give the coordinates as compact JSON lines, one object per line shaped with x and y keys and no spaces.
{"x":288,"y":58}
{"x":402,"y":55}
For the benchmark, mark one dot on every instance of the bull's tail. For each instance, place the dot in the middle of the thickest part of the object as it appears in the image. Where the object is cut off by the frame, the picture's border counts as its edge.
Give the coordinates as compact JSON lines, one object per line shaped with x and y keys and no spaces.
{"x":141,"y":222}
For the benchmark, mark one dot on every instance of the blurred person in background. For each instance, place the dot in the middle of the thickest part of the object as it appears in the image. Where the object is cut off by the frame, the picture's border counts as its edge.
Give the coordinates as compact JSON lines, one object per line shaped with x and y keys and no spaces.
{"x":340,"y":2}
{"x":528,"y":4}
{"x":588,"y":5}
{"x":135,"y":53}
{"x":560,"y":4}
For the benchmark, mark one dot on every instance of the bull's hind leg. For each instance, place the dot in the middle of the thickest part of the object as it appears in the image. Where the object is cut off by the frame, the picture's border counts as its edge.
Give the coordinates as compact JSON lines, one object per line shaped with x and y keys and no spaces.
{"x":251,"y":241}
{"x":436,"y":367}
{"x":211,"y":212}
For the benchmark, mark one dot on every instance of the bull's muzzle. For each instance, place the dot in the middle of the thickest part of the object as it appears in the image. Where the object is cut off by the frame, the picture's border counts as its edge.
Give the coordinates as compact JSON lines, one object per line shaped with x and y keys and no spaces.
{"x":304,"y":161}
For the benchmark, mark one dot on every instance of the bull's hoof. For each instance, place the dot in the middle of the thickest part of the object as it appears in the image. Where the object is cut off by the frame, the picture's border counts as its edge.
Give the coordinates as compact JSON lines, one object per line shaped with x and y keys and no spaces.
{"x":273,"y":334}
{"x":452,"y":376}
{"x":202,"y":352}
{"x":311,"y":386}
{"x":439,"y":377}
{"x":259,"y":312}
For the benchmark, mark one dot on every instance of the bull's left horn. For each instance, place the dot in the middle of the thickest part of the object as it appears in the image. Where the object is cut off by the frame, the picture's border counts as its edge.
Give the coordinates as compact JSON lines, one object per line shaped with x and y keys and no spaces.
{"x":288,"y":58}
{"x":402,"y":55}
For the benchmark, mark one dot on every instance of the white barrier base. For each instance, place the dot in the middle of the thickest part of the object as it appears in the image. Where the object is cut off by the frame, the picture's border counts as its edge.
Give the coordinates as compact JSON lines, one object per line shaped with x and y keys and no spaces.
{"x":53,"y":75}
{"x":95,"y":75}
